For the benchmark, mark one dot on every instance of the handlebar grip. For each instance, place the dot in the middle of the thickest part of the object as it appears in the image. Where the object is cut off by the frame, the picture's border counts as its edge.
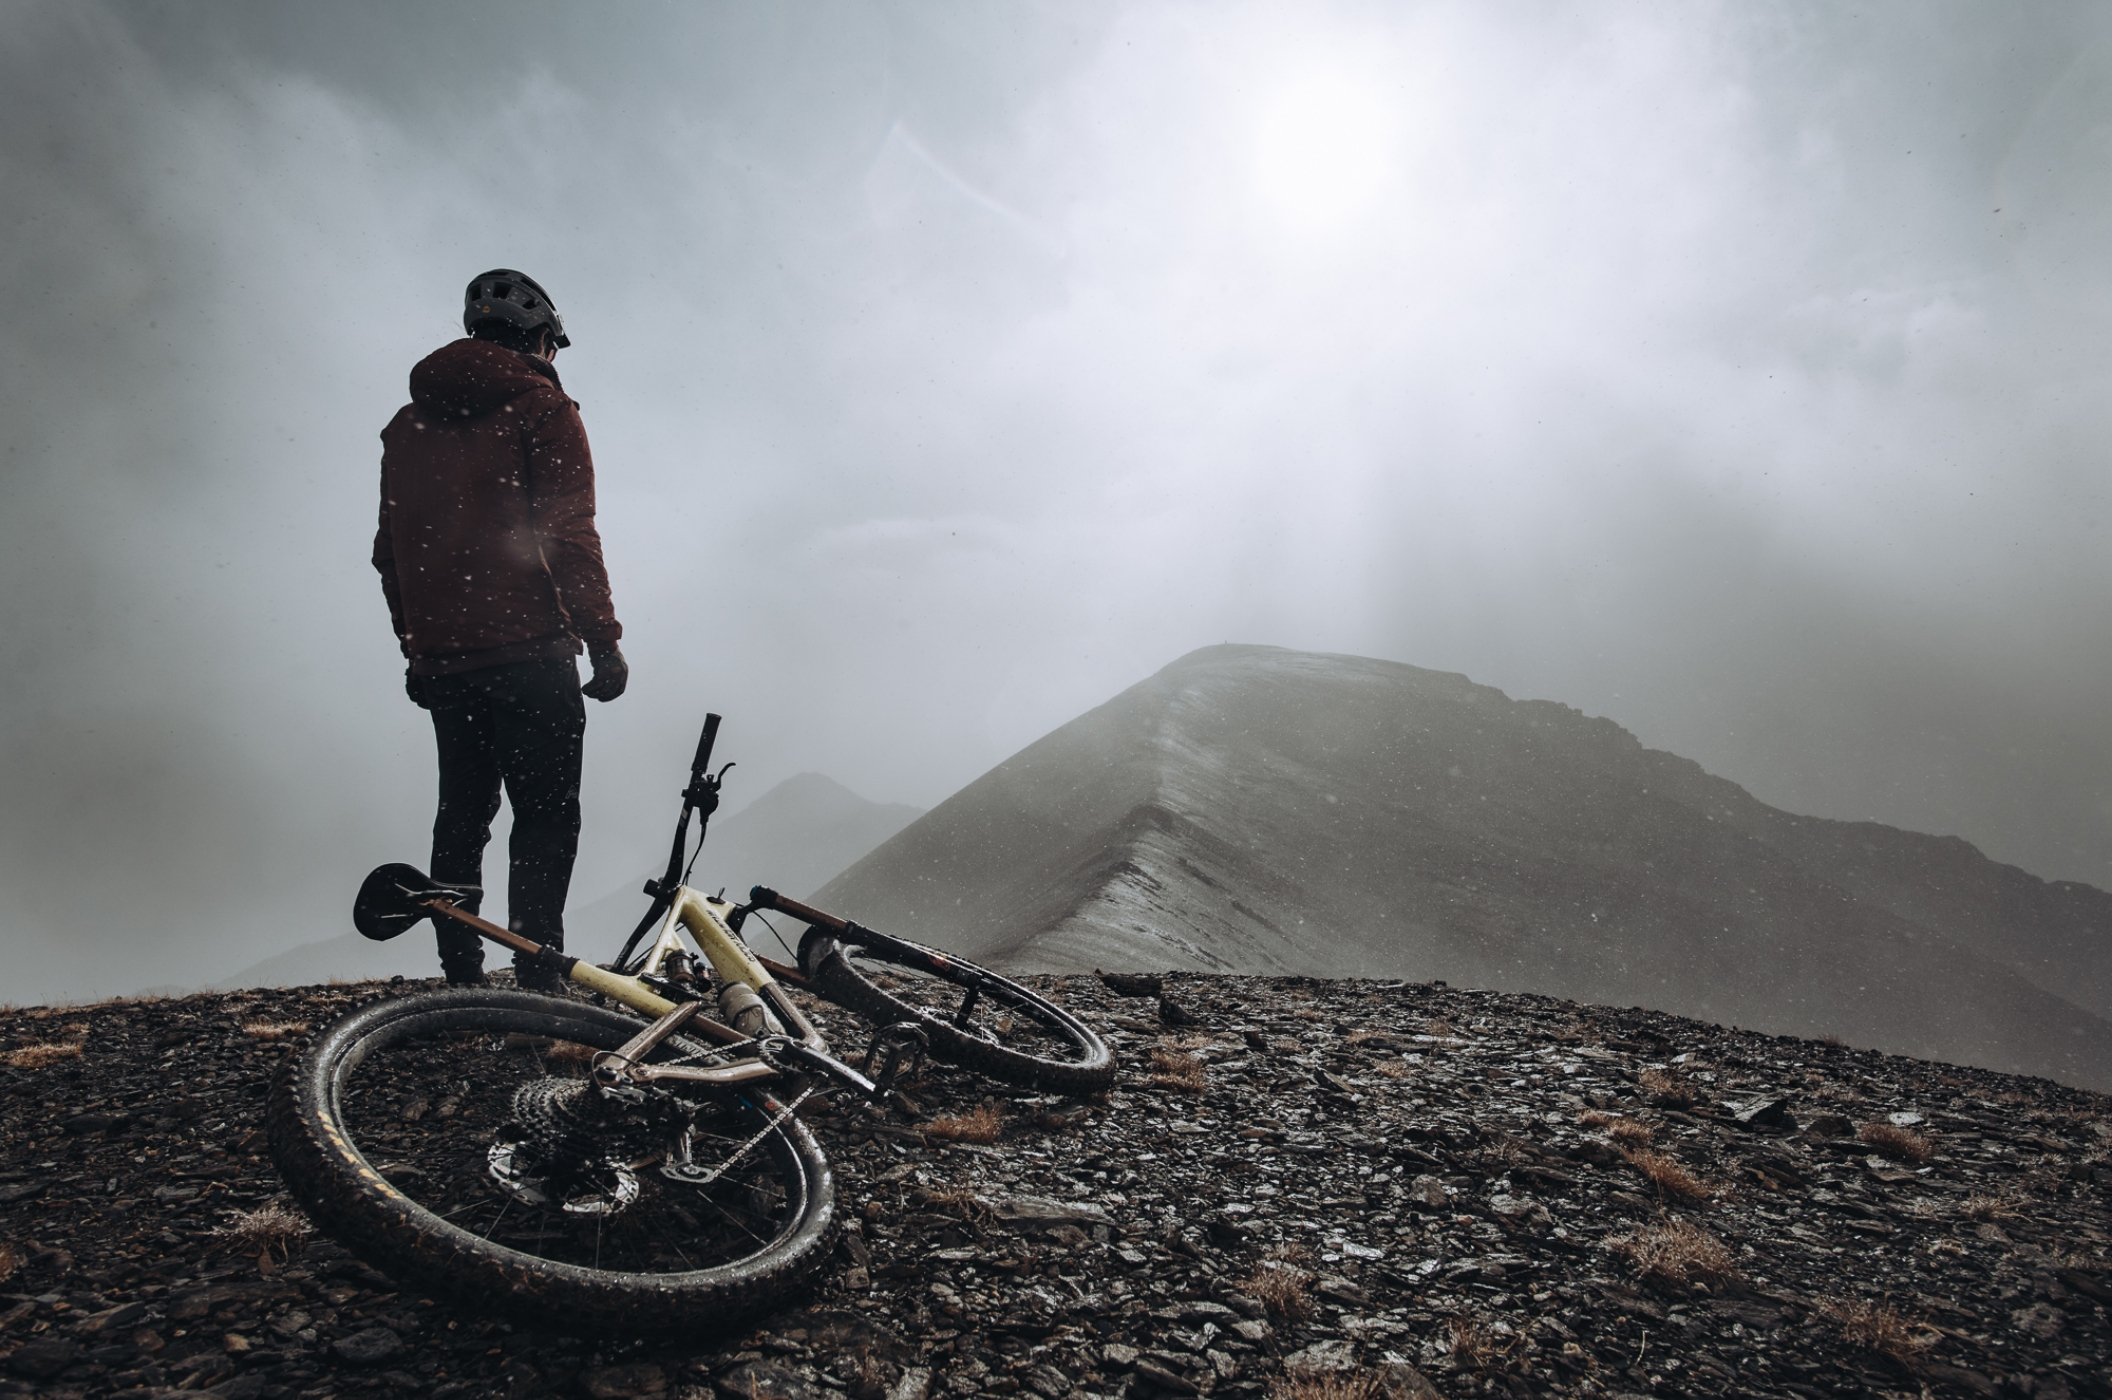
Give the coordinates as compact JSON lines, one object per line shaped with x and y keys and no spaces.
{"x":701,"y":764}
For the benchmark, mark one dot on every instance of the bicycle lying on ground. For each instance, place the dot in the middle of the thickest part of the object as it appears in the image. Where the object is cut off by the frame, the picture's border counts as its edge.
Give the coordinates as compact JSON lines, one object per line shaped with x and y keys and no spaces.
{"x":630,"y":1156}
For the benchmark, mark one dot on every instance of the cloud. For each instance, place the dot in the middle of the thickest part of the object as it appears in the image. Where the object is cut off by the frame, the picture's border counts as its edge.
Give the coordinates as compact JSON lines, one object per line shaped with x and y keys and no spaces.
{"x":1735,"y":374}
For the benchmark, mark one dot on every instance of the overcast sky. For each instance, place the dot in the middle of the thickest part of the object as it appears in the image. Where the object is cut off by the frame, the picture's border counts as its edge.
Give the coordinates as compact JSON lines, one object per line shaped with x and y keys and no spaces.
{"x":1734,"y":371}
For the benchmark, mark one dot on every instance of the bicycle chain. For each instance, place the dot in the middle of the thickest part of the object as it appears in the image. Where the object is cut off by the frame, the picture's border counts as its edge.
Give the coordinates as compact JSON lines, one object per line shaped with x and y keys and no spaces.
{"x":749,"y":1146}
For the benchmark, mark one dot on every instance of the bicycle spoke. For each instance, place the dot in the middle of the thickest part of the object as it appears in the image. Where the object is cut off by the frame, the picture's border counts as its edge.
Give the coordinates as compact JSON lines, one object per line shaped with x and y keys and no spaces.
{"x":436,"y":1108}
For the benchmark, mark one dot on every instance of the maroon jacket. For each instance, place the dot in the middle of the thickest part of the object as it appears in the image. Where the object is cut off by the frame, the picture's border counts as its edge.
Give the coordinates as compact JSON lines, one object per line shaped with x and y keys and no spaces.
{"x":487,"y":549}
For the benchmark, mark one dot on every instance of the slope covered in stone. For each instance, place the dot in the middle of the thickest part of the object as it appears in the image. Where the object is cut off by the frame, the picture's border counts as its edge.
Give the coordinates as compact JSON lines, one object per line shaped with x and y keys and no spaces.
{"x":1440,"y":1191}
{"x":1250,"y":809}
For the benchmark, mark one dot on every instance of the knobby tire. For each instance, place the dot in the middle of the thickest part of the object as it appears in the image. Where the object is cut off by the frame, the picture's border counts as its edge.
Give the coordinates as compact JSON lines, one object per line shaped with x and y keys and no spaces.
{"x":1019,"y":1037}
{"x":382,"y":1129}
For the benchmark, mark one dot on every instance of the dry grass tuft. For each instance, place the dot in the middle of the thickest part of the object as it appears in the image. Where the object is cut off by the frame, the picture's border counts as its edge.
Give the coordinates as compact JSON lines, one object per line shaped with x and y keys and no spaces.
{"x":1897,"y":1143}
{"x":1599,"y":1118}
{"x":1068,"y":1120}
{"x":272,"y":1228}
{"x":49,"y":1052}
{"x":1668,"y":1089}
{"x":571,"y":1051}
{"x":1174,"y":1069}
{"x":274,"y":1030}
{"x":1397,"y":1069}
{"x":1667,"y":1175}
{"x":1877,"y":1327}
{"x":1677,"y":1251}
{"x":1279,"y":1282}
{"x":1309,"y":1013}
{"x":38,"y":1056}
{"x":1469,"y":1343}
{"x":9,"y":1262}
{"x":1297,"y":1253}
{"x":966,"y":1201}
{"x":978,"y":1125}
{"x":1329,"y":1385}
{"x":1629,"y":1133}
{"x":1982,"y":1206}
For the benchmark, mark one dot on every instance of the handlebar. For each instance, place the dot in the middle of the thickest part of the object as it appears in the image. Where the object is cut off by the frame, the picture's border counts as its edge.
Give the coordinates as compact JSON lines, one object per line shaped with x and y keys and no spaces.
{"x":703,"y":790}
{"x":701,"y":764}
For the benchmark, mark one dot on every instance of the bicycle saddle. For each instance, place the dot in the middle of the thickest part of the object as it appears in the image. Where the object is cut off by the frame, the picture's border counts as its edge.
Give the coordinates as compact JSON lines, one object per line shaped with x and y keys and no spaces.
{"x":392,"y":898}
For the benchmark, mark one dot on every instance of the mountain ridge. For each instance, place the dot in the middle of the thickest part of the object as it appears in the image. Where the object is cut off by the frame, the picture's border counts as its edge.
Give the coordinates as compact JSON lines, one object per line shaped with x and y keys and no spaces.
{"x":1251,"y":809}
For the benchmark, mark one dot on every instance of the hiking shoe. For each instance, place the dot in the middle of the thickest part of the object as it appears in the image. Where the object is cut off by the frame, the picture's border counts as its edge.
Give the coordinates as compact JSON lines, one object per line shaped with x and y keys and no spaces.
{"x":465,"y":974}
{"x":540,"y":978}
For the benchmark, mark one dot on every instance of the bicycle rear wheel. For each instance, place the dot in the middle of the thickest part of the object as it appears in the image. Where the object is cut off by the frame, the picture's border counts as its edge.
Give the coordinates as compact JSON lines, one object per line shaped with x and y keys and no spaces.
{"x":973,"y":1017}
{"x":453,"y":1138}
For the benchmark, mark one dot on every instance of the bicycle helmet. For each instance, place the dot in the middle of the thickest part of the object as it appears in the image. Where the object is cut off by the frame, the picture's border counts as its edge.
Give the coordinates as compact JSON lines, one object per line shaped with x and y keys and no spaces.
{"x":512,"y":299}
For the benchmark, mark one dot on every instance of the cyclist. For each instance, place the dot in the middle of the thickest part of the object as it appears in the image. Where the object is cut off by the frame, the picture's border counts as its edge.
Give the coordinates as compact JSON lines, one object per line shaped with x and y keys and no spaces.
{"x":492,"y":568}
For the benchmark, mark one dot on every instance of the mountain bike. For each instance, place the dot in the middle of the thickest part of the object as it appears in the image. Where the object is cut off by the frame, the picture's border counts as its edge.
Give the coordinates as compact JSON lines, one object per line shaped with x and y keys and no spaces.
{"x":629,"y":1157}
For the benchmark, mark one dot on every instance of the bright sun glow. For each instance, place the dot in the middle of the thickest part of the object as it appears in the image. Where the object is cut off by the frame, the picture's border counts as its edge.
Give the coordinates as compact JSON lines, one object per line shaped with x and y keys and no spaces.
{"x":1324,"y":150}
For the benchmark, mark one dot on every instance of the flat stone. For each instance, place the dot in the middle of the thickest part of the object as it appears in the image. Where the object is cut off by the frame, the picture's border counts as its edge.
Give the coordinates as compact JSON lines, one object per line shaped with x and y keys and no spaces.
{"x":2041,"y":1320}
{"x":1401,"y":1381}
{"x":625,"y":1382}
{"x":110,"y":1319}
{"x":1164,"y":1377}
{"x":1332,"y":1354}
{"x":1050,"y":1211}
{"x":41,"y":1358}
{"x":1766,"y":1115}
{"x":1958,"y":1378}
{"x":1046,"y":1381}
{"x":1172,"y":1013}
{"x":767,"y":1380}
{"x":368,"y":1348}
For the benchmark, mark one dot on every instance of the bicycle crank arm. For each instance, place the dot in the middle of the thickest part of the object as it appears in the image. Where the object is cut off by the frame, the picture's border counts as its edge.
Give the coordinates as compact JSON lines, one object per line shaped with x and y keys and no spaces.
{"x":789,"y":1053}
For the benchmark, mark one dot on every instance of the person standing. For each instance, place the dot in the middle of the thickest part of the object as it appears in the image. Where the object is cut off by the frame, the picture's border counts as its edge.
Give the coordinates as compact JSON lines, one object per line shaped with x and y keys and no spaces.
{"x":493,"y":572}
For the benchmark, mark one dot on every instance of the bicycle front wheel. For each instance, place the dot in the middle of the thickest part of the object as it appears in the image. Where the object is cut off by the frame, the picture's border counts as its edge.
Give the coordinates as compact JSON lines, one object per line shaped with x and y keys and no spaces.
{"x":454,"y":1138}
{"x":973,"y":1017}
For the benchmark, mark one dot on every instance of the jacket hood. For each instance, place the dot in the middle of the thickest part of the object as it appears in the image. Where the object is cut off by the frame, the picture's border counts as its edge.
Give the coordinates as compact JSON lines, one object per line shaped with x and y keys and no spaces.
{"x":469,"y":378}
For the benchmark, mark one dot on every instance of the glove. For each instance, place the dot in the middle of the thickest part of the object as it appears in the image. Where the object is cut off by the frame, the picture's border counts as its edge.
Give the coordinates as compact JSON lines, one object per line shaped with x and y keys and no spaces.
{"x":414,"y":686}
{"x":611,"y":674}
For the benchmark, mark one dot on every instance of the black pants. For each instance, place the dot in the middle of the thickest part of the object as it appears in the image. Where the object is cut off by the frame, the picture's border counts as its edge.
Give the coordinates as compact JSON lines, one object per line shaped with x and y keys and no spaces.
{"x":519,"y":726}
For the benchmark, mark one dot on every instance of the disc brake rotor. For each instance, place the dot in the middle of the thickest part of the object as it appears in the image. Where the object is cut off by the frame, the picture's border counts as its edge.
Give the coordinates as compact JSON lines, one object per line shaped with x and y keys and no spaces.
{"x":598,"y":1188}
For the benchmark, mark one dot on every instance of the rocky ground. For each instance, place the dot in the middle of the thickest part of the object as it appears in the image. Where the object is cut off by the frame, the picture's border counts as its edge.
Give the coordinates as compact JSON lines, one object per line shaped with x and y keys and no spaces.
{"x":1320,"y":1190}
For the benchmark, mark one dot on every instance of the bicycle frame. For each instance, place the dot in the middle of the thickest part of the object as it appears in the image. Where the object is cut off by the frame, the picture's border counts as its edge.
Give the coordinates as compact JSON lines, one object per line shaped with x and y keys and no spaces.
{"x":705,"y":921}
